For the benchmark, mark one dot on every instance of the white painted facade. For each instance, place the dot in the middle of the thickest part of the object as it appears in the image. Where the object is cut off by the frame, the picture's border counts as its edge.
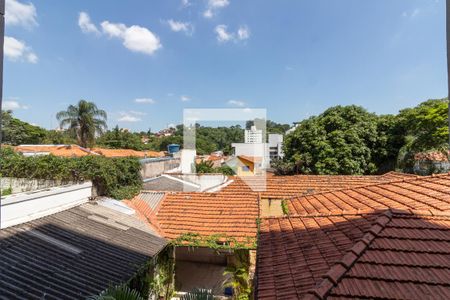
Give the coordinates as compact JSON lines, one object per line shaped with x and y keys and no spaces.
{"x":276,"y":145}
{"x":255,"y":150}
{"x":24,"y":207}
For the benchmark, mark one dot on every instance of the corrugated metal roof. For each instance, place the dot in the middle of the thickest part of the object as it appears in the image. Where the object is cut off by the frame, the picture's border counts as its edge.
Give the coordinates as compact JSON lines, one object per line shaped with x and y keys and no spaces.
{"x":74,"y":253}
{"x":151,"y":198}
{"x":168,"y":184}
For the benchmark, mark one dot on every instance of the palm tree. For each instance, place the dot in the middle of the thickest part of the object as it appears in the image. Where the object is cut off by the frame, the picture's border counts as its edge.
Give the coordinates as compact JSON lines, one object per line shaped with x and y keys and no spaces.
{"x":84,"y":120}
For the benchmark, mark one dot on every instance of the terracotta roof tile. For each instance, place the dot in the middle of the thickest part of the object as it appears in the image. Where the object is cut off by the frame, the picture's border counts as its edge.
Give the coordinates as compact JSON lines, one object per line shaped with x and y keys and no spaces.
{"x":209,"y":214}
{"x":407,"y":258}
{"x":57,"y":150}
{"x":127,"y":153}
{"x":421,"y":193}
{"x":283,"y":187}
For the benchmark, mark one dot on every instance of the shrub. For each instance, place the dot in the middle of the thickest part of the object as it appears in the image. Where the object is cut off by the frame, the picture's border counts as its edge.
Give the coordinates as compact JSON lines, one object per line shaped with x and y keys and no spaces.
{"x":115,"y":177}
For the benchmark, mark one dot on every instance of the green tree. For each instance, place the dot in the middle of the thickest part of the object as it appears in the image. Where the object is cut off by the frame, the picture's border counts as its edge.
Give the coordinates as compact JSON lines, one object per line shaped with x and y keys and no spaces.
{"x":339,"y":141}
{"x":16,"y":132}
{"x":84,"y":121}
{"x":427,"y":124}
{"x":121,"y":139}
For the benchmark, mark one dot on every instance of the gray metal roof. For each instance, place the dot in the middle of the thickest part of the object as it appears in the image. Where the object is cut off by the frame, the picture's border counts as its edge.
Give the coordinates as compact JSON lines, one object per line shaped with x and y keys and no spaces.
{"x":151,"y":198}
{"x":167,"y":184}
{"x":74,"y":253}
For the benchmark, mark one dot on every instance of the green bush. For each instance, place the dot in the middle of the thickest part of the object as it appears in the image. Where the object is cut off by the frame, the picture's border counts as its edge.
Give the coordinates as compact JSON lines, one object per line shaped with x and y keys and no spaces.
{"x":114,"y":177}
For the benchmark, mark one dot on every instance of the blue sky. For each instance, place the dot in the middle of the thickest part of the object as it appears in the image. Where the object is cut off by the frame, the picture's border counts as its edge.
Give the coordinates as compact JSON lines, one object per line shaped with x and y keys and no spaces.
{"x":293,"y":57}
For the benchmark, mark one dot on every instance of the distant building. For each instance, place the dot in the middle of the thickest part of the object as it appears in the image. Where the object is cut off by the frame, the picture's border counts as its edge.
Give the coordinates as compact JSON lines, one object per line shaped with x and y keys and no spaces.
{"x":253,"y":150}
{"x":253,"y":136}
{"x":275,"y":146}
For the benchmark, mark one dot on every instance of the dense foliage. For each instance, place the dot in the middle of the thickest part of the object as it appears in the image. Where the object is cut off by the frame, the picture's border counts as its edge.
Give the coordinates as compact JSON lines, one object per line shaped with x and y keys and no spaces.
{"x":339,"y":141}
{"x":115,"y":177}
{"x":120,"y":139}
{"x":15,"y":131}
{"x":207,"y":167}
{"x":350,"y":140}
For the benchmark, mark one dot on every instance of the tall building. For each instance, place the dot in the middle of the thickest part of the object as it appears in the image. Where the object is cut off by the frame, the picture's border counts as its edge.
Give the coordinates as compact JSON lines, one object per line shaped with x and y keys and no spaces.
{"x":275,"y":146}
{"x":253,"y":136}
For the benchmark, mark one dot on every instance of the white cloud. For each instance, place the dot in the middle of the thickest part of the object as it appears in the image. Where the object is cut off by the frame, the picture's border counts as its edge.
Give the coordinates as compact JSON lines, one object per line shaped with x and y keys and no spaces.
{"x":411,"y":14}
{"x":185,"y":3}
{"x":130,"y":116}
{"x":238,"y":103}
{"x":84,"y":21}
{"x":208,"y":14}
{"x":17,"y":50}
{"x":145,"y":100}
{"x":243,"y":33}
{"x":185,"y":98}
{"x":223,"y":35}
{"x":134,"y":38}
{"x":218,"y":3}
{"x":20,"y":14}
{"x":213,"y":6}
{"x":185,"y":27}
{"x":13,"y":105}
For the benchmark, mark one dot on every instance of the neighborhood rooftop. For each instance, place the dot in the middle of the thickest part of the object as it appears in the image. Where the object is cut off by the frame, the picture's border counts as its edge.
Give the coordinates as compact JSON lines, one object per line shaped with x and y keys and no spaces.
{"x":73,"y":254}
{"x":384,"y":240}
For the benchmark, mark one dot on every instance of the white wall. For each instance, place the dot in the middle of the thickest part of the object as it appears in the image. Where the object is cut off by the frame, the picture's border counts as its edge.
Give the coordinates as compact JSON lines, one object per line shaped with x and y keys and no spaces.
{"x":257,"y":150}
{"x":24,"y":207}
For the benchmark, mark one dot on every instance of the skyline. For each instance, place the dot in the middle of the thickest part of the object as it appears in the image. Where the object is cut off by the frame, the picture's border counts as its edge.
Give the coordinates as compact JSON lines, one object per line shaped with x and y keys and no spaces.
{"x":144,"y":63}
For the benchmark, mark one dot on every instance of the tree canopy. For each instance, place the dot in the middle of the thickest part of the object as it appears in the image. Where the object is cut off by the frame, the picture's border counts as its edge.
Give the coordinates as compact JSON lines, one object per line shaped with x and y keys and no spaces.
{"x":350,"y":140}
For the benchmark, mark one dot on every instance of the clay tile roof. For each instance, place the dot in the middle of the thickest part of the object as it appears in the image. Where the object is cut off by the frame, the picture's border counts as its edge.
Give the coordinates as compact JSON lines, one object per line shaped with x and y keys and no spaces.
{"x":431,"y":156}
{"x":389,"y":255}
{"x":407,"y":259}
{"x":423,"y":193}
{"x":57,"y":150}
{"x":205,"y":214}
{"x":294,"y":253}
{"x":388,"y":240}
{"x":283,"y":187}
{"x":127,"y":153}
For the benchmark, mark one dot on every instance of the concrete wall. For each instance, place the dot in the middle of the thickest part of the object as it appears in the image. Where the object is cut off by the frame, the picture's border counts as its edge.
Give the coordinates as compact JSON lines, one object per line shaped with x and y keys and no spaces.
{"x":20,"y":185}
{"x":205,"y":181}
{"x":201,"y":255}
{"x":257,"y":150}
{"x":24,"y":207}
{"x":152,"y":167}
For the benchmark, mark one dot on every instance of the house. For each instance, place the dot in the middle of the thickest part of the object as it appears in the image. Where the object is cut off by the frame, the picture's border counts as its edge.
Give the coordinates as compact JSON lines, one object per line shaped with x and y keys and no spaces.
{"x":57,"y":150}
{"x":383,"y":240}
{"x":169,"y":183}
{"x":245,"y":165}
{"x":56,"y":244}
{"x":78,"y":151}
{"x":209,"y":229}
{"x":430,"y":162}
{"x":127,"y":153}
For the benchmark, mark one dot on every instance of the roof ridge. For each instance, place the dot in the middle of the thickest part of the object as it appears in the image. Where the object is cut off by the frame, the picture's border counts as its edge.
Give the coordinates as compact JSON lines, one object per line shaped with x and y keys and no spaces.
{"x":370,"y":185}
{"x":345,"y":212}
{"x":339,"y":269}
